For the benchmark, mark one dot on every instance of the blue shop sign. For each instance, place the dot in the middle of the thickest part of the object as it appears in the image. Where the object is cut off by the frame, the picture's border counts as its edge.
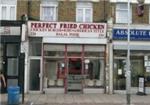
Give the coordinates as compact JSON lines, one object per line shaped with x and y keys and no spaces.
{"x":135,"y":34}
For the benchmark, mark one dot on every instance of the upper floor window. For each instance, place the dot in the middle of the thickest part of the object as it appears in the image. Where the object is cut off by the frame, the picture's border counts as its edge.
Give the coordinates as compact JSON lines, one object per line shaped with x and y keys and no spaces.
{"x":122,"y":13}
{"x":48,"y":11}
{"x":8,"y":9}
{"x":84,"y":12}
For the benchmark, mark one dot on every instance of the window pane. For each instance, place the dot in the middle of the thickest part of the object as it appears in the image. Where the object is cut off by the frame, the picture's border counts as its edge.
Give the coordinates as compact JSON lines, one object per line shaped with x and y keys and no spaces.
{"x":4,"y":13}
{"x":122,"y":6}
{"x":95,"y":73}
{"x":12,"y":69}
{"x":79,"y":15}
{"x":12,"y":13}
{"x":12,"y":49}
{"x":35,"y":46}
{"x":88,"y":15}
{"x":12,"y":82}
{"x":122,"y":13}
{"x":49,"y":13}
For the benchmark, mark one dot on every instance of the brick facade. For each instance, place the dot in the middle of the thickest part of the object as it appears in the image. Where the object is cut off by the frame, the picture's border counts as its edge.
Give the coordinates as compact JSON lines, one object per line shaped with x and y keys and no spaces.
{"x":140,"y":20}
{"x":67,"y":11}
{"x":22,"y":8}
{"x":100,"y":11}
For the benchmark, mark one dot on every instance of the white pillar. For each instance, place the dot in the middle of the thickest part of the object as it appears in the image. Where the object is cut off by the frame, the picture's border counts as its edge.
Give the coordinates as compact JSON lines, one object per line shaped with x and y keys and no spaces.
{"x":110,"y":54}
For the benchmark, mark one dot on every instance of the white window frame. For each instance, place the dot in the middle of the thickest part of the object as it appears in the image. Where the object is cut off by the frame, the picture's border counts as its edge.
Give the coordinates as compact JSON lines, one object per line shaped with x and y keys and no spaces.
{"x":120,"y":9}
{"x":84,"y":6}
{"x":7,"y":11}
{"x":55,"y":18}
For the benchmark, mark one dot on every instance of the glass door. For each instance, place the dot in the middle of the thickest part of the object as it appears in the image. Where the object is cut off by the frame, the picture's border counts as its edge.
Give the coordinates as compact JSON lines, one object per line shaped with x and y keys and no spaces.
{"x":119,"y":74}
{"x":34,"y":81}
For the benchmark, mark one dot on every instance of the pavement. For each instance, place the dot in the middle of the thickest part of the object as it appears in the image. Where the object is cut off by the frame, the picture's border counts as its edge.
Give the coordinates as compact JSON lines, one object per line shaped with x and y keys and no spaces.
{"x":79,"y":99}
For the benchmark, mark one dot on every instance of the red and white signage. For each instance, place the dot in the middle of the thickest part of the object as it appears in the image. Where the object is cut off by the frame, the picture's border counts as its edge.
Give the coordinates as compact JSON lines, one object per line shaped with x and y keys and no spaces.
{"x":66,"y":29}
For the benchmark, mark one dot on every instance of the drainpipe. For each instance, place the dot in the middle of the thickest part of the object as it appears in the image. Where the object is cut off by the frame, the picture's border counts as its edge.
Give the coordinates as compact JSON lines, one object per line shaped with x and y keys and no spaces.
{"x":29,"y":8}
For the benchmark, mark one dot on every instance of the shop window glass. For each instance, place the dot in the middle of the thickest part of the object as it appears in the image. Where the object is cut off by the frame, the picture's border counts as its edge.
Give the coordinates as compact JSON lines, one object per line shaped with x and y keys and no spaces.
{"x":74,"y":50}
{"x":51,"y":67}
{"x":95,"y":73}
{"x":12,"y":49}
{"x":35,"y":45}
{"x":136,"y":71}
{"x":12,"y":68}
{"x":54,"y":50}
{"x":12,"y":82}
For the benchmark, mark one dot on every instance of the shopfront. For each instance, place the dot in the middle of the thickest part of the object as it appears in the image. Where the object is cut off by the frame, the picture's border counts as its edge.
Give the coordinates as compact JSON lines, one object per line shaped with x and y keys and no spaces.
{"x":139,"y":56}
{"x":10,"y":62}
{"x":72,"y":56}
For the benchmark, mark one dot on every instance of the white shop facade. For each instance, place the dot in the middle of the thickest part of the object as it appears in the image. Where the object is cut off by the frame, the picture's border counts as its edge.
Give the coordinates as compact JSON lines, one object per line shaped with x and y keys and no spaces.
{"x":65,"y":57}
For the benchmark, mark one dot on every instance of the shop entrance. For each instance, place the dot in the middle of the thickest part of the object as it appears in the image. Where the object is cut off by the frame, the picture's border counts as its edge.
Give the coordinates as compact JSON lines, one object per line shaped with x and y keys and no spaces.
{"x":119,"y":74}
{"x":75,"y":74}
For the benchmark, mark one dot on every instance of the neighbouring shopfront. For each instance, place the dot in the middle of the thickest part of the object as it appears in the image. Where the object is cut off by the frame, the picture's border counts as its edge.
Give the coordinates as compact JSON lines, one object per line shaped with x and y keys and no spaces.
{"x":68,"y":56}
{"x":139,"y":57}
{"x":10,"y":61}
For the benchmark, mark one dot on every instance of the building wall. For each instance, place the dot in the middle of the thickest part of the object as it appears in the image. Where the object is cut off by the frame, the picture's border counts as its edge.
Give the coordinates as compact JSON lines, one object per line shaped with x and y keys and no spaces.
{"x":22,"y":8}
{"x":67,"y":11}
{"x":140,"y":20}
{"x":34,"y":9}
{"x":100,"y":11}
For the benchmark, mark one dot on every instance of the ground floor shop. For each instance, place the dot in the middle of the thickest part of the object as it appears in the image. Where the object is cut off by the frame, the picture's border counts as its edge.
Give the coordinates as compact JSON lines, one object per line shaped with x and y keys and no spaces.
{"x":66,"y":56}
{"x":11,"y":61}
{"x":139,"y":58}
{"x":66,"y":67}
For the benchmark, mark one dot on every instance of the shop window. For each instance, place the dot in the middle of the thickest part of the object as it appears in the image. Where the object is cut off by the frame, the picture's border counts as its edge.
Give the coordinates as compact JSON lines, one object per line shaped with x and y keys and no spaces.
{"x":48,"y":10}
{"x":74,"y":50}
{"x":122,"y":13}
{"x":95,"y":73}
{"x":94,"y":68}
{"x":51,"y":67}
{"x":8,"y":9}
{"x":12,"y":82}
{"x":12,"y":69}
{"x":84,"y":12}
{"x":136,"y":71}
{"x":35,"y":45}
{"x":12,"y":49}
{"x":54,"y":50}
{"x":54,"y":56}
